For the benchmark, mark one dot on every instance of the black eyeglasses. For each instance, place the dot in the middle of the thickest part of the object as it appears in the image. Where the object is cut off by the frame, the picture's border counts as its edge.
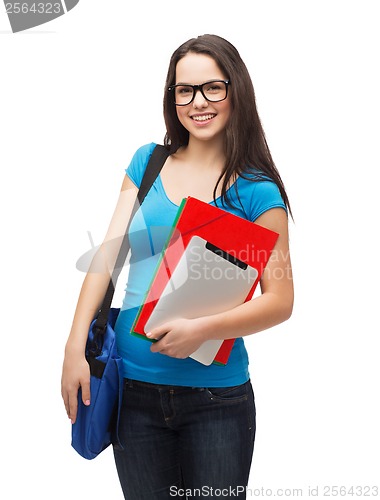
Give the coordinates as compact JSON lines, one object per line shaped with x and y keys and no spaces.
{"x":213,"y":91}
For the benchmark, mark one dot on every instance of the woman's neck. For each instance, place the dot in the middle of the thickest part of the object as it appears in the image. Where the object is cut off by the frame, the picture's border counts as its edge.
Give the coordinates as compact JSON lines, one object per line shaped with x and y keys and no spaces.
{"x":205,"y":154}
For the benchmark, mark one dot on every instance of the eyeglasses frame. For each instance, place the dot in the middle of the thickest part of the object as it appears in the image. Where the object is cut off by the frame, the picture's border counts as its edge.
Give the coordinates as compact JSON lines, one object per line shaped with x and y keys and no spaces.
{"x":200,"y":88}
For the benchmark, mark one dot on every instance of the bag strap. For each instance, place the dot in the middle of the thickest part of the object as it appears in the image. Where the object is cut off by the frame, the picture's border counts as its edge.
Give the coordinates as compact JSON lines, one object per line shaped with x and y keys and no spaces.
{"x":153,"y":168}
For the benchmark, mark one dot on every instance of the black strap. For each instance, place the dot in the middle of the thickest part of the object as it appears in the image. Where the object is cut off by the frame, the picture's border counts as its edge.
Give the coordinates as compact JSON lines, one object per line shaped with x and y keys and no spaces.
{"x":156,"y":162}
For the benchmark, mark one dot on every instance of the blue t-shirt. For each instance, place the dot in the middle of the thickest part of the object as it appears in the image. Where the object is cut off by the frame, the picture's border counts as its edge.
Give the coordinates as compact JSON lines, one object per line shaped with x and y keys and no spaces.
{"x":148,"y":234}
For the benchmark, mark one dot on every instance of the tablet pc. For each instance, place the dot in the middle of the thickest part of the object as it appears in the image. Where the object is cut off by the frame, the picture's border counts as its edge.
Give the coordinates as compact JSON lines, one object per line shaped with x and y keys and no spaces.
{"x":207,"y":280}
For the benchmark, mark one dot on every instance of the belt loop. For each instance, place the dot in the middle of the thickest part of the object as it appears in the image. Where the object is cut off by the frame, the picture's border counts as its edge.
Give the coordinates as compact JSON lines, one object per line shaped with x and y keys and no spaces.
{"x":130,"y":383}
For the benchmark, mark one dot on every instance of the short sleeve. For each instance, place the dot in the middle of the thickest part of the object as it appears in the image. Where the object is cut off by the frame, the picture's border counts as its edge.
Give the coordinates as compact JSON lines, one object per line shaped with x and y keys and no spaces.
{"x":265,"y":196}
{"x":136,"y":168}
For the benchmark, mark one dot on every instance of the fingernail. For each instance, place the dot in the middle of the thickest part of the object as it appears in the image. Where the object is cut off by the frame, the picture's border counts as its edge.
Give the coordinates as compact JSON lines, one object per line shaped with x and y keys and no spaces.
{"x":87,"y":402}
{"x":149,"y":334}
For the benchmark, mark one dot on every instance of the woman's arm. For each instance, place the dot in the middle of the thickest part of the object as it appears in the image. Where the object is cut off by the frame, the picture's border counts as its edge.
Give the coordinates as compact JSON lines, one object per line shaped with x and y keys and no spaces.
{"x":182,"y":337}
{"x":75,"y":372}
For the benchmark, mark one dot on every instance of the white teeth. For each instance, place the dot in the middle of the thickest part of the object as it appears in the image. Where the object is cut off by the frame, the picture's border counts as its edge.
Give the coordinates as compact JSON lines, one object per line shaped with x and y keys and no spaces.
{"x":202,"y":118}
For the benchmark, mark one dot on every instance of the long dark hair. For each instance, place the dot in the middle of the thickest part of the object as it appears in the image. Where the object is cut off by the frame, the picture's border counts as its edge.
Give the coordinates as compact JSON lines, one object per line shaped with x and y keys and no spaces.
{"x":246,"y":148}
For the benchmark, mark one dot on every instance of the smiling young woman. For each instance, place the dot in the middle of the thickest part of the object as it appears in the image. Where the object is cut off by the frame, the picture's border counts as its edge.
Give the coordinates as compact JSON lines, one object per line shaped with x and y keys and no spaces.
{"x":185,"y":425}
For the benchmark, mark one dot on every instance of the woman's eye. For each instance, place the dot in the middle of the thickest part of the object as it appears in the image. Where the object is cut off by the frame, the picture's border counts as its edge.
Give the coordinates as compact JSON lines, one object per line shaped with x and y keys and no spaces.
{"x":184,"y":90}
{"x":215,"y":87}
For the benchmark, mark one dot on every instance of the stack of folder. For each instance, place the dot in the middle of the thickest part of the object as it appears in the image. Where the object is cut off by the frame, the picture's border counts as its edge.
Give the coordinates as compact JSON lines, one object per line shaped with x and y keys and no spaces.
{"x":212,"y":262}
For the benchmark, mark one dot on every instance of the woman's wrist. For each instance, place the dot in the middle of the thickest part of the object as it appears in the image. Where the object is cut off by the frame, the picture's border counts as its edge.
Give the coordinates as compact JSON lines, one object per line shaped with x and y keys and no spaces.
{"x":75,"y":346}
{"x":209,"y":327}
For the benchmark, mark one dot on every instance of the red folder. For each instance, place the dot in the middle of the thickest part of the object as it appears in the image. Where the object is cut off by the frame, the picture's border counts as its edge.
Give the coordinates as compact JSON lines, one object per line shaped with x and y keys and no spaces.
{"x":245,"y":240}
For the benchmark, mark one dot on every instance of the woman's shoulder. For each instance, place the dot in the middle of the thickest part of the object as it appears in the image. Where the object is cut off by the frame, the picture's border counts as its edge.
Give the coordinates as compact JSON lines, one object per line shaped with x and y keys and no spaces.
{"x":259,"y":193}
{"x":258,"y":182}
{"x":137,"y":166}
{"x":144,"y":151}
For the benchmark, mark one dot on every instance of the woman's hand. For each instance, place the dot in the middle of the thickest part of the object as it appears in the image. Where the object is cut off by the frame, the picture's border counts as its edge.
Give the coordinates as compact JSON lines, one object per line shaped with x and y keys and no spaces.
{"x":75,"y":374}
{"x":178,"y":338}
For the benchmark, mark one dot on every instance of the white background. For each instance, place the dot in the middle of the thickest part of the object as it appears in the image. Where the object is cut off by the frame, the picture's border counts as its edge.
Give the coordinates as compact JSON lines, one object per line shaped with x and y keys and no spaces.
{"x":78,"y":96}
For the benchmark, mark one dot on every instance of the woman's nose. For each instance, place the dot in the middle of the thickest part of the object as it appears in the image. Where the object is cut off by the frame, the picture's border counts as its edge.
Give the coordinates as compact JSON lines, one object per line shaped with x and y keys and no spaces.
{"x":199,"y":100}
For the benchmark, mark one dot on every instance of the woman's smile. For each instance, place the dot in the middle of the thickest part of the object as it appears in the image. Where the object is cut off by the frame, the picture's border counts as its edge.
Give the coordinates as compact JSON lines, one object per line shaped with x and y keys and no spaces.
{"x":203,"y":118}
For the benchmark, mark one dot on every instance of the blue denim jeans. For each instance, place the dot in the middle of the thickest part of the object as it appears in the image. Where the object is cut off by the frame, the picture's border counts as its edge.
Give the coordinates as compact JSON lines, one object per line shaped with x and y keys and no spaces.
{"x":184,"y":442}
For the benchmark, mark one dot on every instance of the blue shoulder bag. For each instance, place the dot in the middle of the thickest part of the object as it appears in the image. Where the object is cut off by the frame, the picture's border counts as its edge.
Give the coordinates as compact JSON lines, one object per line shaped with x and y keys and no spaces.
{"x":96,"y":425}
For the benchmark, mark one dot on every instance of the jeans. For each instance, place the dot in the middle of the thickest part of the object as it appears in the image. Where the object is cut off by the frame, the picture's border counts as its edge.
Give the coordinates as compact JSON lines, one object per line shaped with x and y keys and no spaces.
{"x":182,"y":441}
